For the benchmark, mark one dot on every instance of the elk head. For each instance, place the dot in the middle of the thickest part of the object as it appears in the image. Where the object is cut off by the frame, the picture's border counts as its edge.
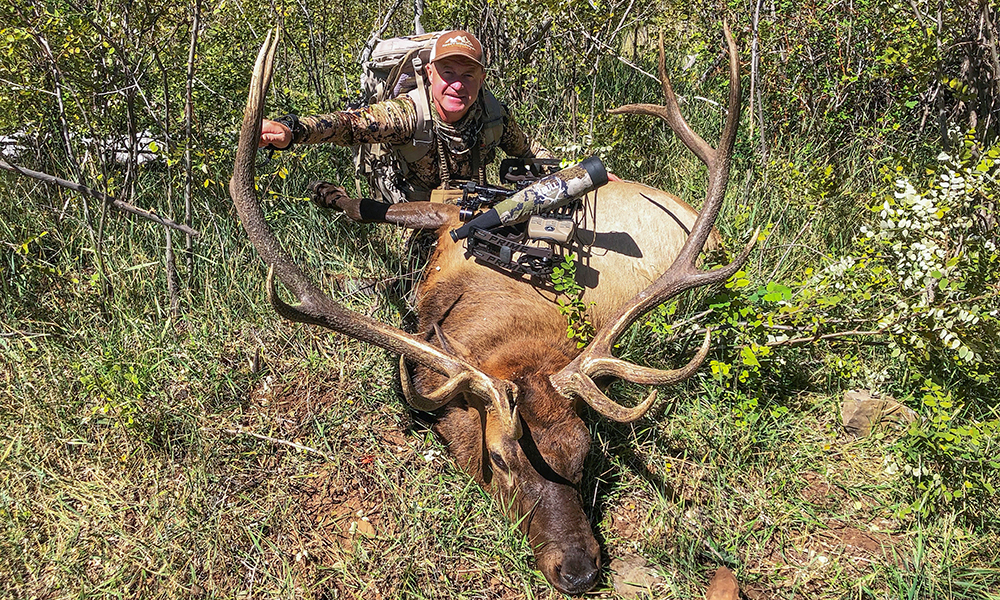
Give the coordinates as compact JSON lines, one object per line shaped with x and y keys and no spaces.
{"x":536,"y":473}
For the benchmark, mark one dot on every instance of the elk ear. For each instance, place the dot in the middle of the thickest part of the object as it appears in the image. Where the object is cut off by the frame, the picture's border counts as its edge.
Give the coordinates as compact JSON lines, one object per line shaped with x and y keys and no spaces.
{"x":569,"y":442}
{"x":450,"y":344}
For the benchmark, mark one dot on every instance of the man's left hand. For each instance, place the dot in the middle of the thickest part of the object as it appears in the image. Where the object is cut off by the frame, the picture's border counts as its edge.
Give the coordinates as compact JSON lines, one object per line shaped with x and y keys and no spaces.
{"x":327,"y":195}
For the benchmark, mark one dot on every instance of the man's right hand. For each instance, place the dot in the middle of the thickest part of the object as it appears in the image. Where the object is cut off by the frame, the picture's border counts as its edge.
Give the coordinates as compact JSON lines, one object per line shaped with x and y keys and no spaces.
{"x":274,"y":134}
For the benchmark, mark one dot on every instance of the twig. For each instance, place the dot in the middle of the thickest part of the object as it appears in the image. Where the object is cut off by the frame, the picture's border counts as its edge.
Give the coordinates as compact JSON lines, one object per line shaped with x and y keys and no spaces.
{"x":188,"y":118}
{"x":818,"y":253}
{"x":794,"y":244}
{"x":112,"y":202}
{"x":218,"y":96}
{"x":623,"y":60}
{"x":792,"y":341}
{"x":23,"y":334}
{"x":418,"y":12}
{"x":29,"y":88}
{"x":278,"y":441}
{"x":703,"y":99}
{"x":370,"y":44}
{"x":828,"y":336}
{"x":173,"y":282}
{"x":755,"y":86}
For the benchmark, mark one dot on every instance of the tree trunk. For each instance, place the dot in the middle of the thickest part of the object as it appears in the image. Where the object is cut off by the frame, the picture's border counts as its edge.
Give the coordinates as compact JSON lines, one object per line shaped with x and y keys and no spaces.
{"x":188,"y":119}
{"x":418,"y":12}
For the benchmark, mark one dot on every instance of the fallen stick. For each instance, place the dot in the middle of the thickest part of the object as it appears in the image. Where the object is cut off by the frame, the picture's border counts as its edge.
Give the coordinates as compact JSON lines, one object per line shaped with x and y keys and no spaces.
{"x":273,"y":440}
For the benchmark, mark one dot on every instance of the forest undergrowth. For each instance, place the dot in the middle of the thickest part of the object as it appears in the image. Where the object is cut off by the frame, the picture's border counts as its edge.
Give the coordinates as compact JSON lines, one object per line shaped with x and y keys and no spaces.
{"x":164,"y":434}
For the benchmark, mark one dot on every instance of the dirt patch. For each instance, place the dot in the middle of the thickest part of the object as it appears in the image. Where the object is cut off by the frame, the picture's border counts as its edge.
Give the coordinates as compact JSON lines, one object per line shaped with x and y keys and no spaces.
{"x":851,"y":545}
{"x":341,"y":505}
{"x":298,"y":406}
{"x":632,"y":577}
{"x":626,"y":517}
{"x":820,"y":492}
{"x":334,"y":513}
{"x":805,"y":560}
{"x":856,"y":545}
{"x":295,"y":403}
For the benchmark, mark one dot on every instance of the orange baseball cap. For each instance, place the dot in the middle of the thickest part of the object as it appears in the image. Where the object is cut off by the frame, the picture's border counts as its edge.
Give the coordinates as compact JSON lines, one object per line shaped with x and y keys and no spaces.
{"x":458,"y":43}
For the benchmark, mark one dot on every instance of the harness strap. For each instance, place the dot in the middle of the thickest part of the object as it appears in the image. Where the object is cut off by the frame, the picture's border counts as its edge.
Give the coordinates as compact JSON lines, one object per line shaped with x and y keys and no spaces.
{"x":394,"y":74}
{"x":423,"y":133}
{"x":492,"y":126}
{"x":444,"y":171}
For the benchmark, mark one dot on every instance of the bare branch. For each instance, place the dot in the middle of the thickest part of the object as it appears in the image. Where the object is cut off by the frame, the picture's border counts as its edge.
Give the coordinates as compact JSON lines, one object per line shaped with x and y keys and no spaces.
{"x":377,"y":34}
{"x":108,"y":200}
{"x":828,"y":336}
{"x":621,"y":59}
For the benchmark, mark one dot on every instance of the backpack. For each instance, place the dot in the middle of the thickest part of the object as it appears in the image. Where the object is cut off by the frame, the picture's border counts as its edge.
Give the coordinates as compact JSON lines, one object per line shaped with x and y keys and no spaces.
{"x":396,"y":68}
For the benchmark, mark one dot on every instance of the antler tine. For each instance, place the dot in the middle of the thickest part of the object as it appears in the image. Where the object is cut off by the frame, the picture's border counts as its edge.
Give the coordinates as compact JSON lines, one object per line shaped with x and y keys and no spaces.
{"x":505,"y":410}
{"x":718,"y":169}
{"x":670,"y":112}
{"x":597,"y":360}
{"x":452,"y":387}
{"x":316,"y":307}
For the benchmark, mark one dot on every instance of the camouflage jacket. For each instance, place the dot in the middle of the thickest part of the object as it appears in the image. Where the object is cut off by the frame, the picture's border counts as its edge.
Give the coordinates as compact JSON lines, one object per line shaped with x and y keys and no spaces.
{"x":394,"y":122}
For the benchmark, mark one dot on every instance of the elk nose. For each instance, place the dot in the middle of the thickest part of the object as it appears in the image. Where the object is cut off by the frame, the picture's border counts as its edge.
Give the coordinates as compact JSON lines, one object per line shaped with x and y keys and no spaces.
{"x":577,"y":573}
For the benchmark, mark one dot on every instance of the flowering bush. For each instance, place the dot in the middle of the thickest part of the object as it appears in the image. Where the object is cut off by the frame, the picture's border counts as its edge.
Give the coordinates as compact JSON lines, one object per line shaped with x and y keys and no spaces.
{"x":925,"y":274}
{"x":937,"y":248}
{"x":922,"y":277}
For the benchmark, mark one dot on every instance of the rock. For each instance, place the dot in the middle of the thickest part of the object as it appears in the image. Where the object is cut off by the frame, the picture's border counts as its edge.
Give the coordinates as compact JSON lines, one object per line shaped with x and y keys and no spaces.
{"x":723,"y":586}
{"x":862,"y":411}
{"x":633,"y":577}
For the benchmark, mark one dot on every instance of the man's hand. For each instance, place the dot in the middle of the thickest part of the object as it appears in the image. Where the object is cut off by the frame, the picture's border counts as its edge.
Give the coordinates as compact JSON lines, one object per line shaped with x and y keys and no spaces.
{"x":327,"y":195}
{"x":363,"y":210}
{"x":274,"y":134}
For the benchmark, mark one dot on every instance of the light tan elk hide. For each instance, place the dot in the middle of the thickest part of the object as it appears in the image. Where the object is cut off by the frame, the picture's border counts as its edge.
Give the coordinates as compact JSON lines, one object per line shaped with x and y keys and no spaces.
{"x":492,"y":361}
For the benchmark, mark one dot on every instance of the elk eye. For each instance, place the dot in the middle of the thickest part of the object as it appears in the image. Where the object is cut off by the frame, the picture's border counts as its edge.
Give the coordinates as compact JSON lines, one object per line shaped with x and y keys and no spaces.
{"x":498,"y":461}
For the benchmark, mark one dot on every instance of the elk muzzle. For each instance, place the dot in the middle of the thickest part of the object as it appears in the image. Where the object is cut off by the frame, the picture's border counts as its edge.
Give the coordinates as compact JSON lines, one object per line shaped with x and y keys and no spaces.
{"x":565,"y":548}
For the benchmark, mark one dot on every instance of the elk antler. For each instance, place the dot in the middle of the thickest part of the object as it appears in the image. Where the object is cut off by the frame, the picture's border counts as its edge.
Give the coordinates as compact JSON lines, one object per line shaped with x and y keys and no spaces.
{"x":319,"y":309}
{"x":684,"y":274}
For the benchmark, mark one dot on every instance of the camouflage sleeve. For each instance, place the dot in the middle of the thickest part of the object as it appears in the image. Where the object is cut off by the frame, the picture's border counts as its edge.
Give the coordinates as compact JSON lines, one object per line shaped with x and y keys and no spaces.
{"x":391,"y":122}
{"x":516,"y":143}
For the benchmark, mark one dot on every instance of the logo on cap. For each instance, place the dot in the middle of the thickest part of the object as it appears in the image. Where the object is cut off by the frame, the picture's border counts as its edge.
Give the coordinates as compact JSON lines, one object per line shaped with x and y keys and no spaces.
{"x":459,"y":40}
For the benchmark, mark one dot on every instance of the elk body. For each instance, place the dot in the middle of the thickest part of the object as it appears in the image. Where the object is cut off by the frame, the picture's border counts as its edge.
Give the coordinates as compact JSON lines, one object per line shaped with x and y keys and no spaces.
{"x":491,"y":358}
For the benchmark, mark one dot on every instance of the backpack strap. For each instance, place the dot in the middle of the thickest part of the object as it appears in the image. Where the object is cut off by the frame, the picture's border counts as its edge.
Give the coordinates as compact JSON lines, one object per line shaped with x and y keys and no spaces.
{"x":423,"y":134}
{"x":492,"y":130}
{"x":392,"y":80}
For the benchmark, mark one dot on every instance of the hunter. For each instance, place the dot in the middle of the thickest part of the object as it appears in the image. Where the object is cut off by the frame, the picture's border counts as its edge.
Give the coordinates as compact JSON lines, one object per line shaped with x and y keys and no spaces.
{"x":468,"y":124}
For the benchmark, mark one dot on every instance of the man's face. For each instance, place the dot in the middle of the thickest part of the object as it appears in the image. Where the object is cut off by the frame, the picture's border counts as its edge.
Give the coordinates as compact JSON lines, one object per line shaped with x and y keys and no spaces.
{"x":455,"y":84}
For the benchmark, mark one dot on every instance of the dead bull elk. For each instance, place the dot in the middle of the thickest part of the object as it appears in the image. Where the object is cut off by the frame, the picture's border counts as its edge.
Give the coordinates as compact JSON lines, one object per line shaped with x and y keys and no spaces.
{"x":493,"y":361}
